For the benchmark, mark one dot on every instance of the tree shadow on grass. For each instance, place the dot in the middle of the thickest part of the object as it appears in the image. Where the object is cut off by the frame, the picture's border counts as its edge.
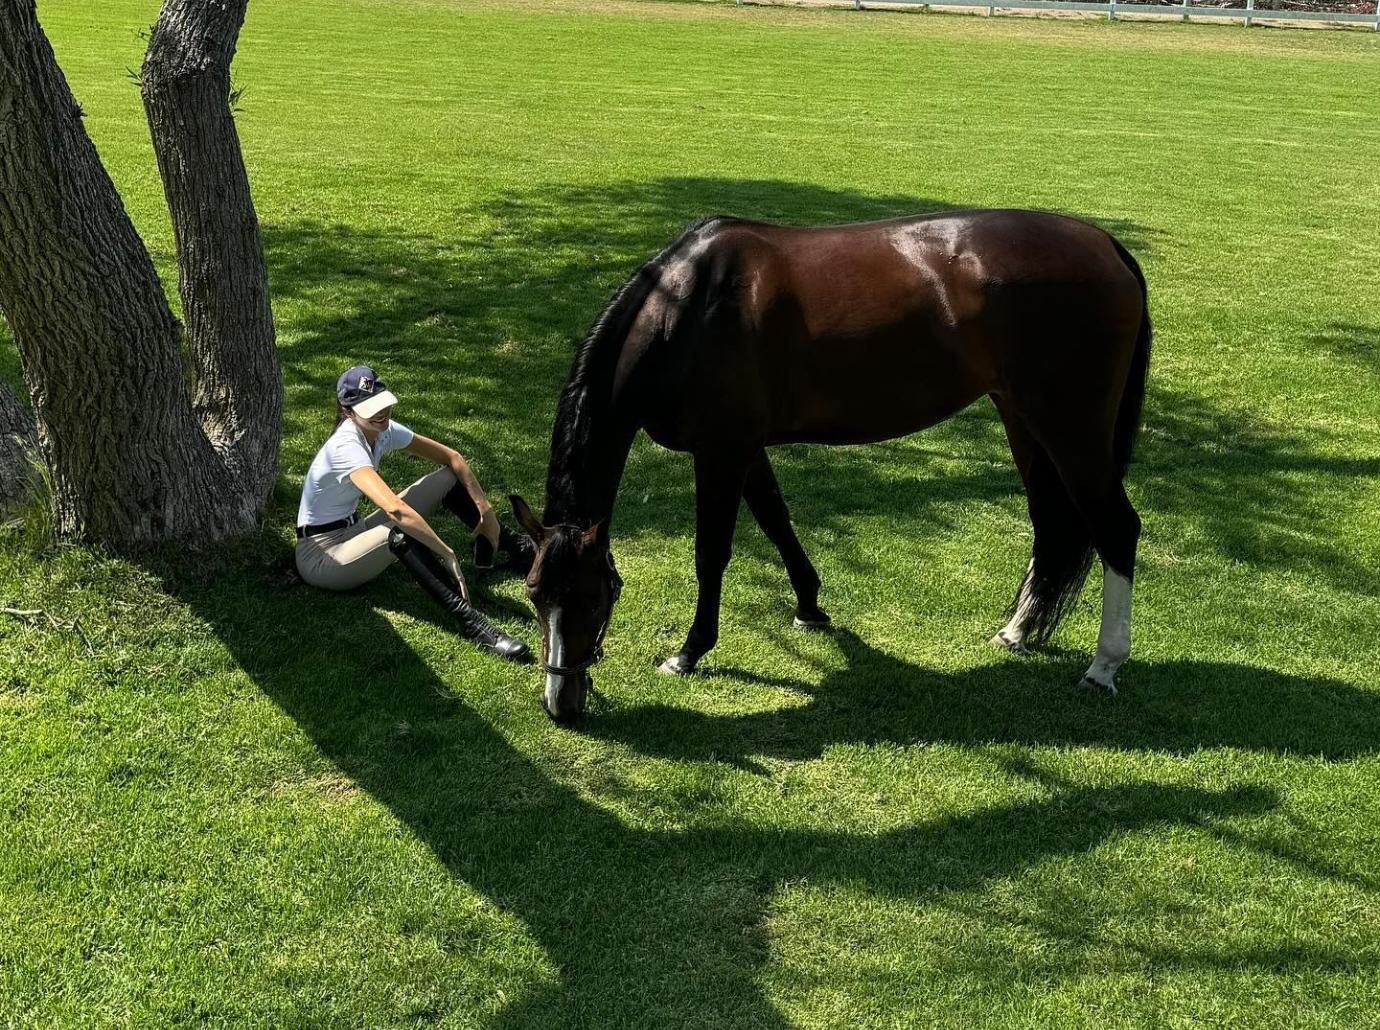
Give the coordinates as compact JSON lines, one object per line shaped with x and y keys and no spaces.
{"x":652,"y":928}
{"x":1357,"y":344}
{"x":1257,"y":493}
{"x":485,"y":326}
{"x":477,"y":334}
{"x":479,"y":331}
{"x":1175,"y":707}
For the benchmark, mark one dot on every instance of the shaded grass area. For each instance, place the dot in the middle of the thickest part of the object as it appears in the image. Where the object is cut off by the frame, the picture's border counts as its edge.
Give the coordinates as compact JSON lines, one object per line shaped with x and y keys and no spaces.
{"x":247,"y":803}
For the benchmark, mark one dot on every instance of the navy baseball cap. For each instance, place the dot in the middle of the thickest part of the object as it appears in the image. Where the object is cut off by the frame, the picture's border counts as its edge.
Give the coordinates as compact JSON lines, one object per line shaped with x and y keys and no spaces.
{"x":360,"y":389}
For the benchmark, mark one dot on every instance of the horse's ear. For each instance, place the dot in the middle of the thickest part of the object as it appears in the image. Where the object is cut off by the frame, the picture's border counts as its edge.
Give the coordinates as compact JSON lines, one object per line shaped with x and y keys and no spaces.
{"x":597,"y":534}
{"x":527,"y":520}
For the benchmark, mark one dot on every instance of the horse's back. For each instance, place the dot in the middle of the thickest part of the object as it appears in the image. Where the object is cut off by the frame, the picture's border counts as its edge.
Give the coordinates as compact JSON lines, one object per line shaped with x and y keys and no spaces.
{"x":979,"y":249}
{"x":872,"y":330}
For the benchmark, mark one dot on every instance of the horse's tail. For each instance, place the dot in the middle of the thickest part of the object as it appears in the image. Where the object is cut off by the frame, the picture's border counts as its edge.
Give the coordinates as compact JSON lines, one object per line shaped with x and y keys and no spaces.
{"x":1063,"y":551}
{"x":1060,"y":558}
{"x":1133,"y":394}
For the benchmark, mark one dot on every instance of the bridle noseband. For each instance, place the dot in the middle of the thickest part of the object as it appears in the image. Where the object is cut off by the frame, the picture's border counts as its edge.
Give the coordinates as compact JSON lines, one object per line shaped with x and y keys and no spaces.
{"x":597,"y":653}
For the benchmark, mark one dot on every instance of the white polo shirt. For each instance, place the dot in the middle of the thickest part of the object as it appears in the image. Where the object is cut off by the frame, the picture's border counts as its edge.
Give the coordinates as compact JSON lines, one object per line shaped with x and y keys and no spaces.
{"x":327,"y":494}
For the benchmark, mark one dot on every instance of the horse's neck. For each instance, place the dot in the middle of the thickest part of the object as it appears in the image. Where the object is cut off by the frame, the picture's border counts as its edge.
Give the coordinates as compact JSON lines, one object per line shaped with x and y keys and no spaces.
{"x":595,"y":428}
{"x":589,"y":487}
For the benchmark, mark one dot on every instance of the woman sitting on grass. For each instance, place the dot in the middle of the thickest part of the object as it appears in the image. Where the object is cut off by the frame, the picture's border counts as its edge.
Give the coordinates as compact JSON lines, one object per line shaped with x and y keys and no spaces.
{"x":337,"y":550}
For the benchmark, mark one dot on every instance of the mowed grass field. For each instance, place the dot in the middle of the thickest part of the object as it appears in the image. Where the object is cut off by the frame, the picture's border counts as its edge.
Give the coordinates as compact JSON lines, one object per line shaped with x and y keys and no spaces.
{"x":231,"y":800}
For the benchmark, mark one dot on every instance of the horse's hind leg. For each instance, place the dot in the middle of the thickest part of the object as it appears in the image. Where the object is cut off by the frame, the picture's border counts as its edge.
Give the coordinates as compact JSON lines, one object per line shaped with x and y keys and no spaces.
{"x":1077,"y":503}
{"x":1116,"y":532}
{"x":1093,"y":481}
{"x":768,"y":507}
{"x":719,"y":480}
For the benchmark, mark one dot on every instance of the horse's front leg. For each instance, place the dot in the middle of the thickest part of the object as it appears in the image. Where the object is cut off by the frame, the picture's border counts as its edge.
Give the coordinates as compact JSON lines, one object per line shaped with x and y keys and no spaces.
{"x":764,"y":499}
{"x":718,"y":491}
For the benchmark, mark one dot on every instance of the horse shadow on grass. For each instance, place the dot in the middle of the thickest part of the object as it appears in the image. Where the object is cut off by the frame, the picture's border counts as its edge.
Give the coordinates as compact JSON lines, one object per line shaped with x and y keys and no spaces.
{"x":1174,"y":707}
{"x":669,"y":927}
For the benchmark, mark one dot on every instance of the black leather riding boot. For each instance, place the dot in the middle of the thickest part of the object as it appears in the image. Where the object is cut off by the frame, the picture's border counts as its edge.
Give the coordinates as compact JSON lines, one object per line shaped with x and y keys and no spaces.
{"x":427,"y":570}
{"x":518,"y":546}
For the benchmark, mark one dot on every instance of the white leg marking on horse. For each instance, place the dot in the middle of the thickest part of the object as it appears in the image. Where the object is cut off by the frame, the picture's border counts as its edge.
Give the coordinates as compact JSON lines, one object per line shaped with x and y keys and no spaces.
{"x":556,"y":655}
{"x":1114,"y":639}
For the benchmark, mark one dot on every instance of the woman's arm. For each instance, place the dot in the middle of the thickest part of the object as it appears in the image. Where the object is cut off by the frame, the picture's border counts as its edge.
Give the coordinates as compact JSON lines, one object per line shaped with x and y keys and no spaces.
{"x":407,"y":518}
{"x":434,"y":451}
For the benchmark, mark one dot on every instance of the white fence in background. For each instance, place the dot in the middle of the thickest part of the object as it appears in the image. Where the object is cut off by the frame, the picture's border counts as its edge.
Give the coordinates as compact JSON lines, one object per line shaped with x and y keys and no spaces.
{"x":1249,"y":14}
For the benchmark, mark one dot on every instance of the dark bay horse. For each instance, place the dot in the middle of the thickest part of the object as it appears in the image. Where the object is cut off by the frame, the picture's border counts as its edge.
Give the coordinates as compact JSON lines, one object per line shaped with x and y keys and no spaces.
{"x":741,"y":334}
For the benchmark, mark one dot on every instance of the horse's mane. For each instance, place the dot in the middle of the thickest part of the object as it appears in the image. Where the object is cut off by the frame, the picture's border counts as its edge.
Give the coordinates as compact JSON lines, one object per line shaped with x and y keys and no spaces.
{"x":588,"y":388}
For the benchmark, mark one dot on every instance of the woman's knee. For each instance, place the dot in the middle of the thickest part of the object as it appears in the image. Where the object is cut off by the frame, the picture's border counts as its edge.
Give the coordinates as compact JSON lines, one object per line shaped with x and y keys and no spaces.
{"x":426,"y":494}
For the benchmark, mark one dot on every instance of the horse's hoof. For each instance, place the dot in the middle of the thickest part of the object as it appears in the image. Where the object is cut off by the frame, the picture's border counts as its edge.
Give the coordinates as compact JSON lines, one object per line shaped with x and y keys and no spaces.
{"x":813,"y":621}
{"x":677,"y":665}
{"x":1096,"y":687}
{"x":1015,"y":647}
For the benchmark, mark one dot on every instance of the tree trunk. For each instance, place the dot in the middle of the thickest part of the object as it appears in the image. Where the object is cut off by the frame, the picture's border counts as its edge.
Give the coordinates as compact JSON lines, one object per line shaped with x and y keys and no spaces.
{"x":101,"y":351}
{"x":16,"y":438}
{"x":224,"y":281}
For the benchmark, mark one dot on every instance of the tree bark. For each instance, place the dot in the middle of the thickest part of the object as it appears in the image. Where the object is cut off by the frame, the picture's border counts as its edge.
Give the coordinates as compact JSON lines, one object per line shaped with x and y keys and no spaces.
{"x":16,"y":438}
{"x":223,"y":277}
{"x":131,"y":464}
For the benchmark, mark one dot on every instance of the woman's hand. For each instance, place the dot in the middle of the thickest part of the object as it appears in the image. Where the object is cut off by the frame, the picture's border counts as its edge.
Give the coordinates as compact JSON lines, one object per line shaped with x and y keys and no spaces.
{"x":448,"y":457}
{"x":487,"y":527}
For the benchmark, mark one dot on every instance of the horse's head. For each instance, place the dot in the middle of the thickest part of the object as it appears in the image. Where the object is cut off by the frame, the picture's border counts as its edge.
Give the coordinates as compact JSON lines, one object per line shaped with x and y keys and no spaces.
{"x":574,"y":586}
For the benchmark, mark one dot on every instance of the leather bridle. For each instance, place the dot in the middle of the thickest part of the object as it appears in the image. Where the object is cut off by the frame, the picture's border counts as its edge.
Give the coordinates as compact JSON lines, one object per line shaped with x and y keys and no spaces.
{"x":597,"y":653}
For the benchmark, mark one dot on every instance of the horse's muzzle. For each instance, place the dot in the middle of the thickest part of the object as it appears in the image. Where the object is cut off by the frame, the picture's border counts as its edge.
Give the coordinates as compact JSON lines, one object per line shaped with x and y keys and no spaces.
{"x":565,"y":697}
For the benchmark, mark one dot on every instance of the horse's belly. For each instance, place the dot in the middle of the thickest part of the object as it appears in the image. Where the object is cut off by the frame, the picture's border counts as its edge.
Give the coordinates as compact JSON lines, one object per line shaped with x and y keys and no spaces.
{"x":859,"y":394}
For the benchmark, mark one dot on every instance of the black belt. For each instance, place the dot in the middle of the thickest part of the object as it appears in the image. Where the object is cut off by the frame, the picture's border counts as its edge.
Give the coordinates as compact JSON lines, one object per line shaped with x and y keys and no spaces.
{"x":326,"y":527}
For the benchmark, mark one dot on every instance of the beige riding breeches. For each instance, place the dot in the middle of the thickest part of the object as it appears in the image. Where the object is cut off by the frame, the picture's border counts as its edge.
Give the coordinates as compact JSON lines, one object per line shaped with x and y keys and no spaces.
{"x":352,"y":555}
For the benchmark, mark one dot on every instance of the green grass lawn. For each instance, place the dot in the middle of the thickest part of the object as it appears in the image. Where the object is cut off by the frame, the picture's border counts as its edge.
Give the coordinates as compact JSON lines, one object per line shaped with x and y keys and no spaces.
{"x":240,"y":802}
